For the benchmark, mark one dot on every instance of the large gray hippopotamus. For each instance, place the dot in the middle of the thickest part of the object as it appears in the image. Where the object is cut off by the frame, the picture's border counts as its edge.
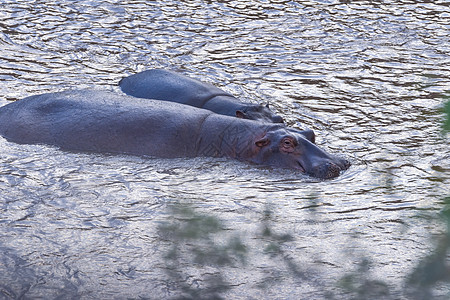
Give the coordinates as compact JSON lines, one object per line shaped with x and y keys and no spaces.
{"x":171,"y":86}
{"x":106,"y":122}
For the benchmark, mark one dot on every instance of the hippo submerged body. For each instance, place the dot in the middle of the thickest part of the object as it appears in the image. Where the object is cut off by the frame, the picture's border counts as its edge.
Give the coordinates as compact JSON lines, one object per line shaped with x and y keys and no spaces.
{"x":100,"y":121}
{"x":171,"y":86}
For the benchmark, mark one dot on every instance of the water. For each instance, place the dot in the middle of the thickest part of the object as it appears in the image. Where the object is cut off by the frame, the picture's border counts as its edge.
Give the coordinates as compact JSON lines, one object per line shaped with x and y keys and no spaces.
{"x":368,"y":77}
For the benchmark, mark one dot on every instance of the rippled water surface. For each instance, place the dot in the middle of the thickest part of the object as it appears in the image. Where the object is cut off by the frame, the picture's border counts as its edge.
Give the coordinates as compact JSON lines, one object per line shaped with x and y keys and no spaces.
{"x":368,"y":77}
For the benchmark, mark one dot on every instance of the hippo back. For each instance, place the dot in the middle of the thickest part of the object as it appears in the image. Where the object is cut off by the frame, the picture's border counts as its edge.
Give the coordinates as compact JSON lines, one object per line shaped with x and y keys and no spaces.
{"x":101,"y":121}
{"x":170,"y":86}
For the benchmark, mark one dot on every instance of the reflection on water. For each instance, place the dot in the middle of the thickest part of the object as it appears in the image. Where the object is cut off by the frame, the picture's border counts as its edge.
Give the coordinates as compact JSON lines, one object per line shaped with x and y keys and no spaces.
{"x":369,"y":78}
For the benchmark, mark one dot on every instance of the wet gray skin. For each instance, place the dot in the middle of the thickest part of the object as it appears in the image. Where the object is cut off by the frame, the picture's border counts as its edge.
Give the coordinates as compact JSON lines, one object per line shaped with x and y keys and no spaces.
{"x":171,"y":86}
{"x":283,"y":147}
{"x":105,"y":122}
{"x":296,"y":149}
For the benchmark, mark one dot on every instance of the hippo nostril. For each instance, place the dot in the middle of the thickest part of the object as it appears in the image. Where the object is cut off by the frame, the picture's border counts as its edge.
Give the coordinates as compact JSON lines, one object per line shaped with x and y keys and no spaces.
{"x":333,"y":171}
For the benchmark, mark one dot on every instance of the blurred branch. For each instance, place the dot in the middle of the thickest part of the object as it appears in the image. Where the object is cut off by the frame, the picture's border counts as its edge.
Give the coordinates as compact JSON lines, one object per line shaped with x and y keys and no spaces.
{"x":196,"y":240}
{"x":434,"y":268}
{"x":446,"y":124}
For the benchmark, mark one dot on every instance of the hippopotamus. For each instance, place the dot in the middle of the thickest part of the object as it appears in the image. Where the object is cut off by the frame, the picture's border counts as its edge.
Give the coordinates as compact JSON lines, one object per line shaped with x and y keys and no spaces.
{"x":107,"y":122}
{"x":171,"y":86}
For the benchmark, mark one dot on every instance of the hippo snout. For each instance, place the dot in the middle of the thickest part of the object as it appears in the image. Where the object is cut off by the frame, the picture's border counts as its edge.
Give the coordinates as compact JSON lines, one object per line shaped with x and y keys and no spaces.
{"x":330,"y":169}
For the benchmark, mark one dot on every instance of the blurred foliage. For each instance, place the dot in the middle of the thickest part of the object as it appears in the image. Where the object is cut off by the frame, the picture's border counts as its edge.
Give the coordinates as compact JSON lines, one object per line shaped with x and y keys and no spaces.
{"x":189,"y":226}
{"x":434,"y":268}
{"x":274,"y":240}
{"x":193,"y":243}
{"x":200,"y":248}
{"x":446,"y":124}
{"x":198,"y":241}
{"x":360,"y":285}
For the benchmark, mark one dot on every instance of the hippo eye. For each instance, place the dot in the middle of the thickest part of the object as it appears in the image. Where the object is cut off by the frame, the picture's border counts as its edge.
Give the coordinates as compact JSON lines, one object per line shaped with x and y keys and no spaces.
{"x":287,"y":145}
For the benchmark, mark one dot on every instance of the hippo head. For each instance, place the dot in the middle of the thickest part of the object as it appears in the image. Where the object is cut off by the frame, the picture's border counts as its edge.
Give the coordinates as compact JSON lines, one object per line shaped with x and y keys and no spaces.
{"x":289,"y":148}
{"x":259,"y":113}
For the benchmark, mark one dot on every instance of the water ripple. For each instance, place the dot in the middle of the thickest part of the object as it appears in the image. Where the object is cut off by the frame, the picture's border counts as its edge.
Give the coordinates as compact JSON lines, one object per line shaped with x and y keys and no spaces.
{"x":369,"y":77}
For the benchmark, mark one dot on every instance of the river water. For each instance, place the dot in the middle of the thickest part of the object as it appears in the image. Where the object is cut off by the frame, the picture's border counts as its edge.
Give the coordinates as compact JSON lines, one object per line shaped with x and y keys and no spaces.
{"x":369,"y":77}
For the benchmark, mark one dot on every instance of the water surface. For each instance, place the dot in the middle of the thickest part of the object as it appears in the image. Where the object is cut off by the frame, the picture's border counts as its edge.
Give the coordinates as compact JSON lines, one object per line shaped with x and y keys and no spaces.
{"x":368,"y":77}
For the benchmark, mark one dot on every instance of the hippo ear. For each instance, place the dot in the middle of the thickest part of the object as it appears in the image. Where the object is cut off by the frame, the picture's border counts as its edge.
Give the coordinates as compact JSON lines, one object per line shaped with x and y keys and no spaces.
{"x":241,"y":114}
{"x":264,"y":141}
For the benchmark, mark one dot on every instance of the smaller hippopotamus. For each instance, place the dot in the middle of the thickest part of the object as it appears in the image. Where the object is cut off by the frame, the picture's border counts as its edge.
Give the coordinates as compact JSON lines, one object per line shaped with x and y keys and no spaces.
{"x":105,"y":122}
{"x":171,"y":86}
